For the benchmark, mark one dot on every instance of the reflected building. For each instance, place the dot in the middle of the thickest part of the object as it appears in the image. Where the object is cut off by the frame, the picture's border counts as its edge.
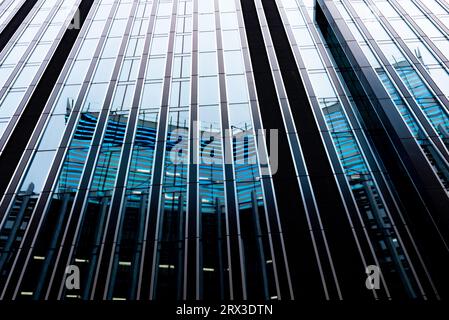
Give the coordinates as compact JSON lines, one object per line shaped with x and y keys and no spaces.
{"x":224,"y":150}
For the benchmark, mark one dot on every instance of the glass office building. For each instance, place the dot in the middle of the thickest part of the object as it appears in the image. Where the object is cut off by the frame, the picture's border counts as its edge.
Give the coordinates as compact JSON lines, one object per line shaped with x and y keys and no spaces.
{"x":224,"y":149}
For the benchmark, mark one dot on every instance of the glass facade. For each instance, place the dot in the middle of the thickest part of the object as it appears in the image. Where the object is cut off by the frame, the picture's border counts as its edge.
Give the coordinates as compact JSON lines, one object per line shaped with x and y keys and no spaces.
{"x":224,"y":149}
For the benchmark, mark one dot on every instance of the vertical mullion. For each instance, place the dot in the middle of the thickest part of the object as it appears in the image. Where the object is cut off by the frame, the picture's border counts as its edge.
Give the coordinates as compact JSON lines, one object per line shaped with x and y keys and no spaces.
{"x":51,"y":183}
{"x":411,"y":157}
{"x":432,"y":16}
{"x":376,"y":173}
{"x":434,"y":137}
{"x":312,"y":183}
{"x":46,"y":113}
{"x":192,"y":270}
{"x":81,"y":198}
{"x":5,"y":50}
{"x":439,"y":94}
{"x":29,"y":49}
{"x":116,"y":210}
{"x":12,"y":13}
{"x":28,"y":93}
{"x":35,"y":223}
{"x":235,"y":248}
{"x":147,"y":279}
{"x":276,"y":240}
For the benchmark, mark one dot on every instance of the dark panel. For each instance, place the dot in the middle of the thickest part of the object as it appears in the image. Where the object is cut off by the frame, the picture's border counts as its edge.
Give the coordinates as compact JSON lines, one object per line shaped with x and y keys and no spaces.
{"x":306,"y":282}
{"x":332,"y":213}
{"x":305,"y":276}
{"x":26,"y":124}
{"x":15,"y":22}
{"x":416,"y":213}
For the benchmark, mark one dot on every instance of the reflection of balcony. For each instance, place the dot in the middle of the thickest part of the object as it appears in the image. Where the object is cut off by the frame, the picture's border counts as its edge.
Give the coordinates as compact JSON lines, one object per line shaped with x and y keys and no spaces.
{"x":433,"y":109}
{"x":140,"y":175}
{"x":343,"y":136}
{"x":377,"y":221}
{"x":16,"y":223}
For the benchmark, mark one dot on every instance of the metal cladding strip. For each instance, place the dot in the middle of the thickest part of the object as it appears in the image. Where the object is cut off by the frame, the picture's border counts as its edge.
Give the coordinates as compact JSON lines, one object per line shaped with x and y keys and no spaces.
{"x":30,"y":236}
{"x":435,"y":139}
{"x":432,"y":134}
{"x":50,"y":184}
{"x":191,"y":253}
{"x":147,"y":280}
{"x":192,"y":285}
{"x":418,"y":64}
{"x":30,"y":47}
{"x":359,"y":260}
{"x":115,"y":216}
{"x":323,"y":222}
{"x":434,"y":207}
{"x":191,"y":269}
{"x":277,"y":247}
{"x":5,"y":9}
{"x":434,"y":86}
{"x":443,"y":3}
{"x":22,"y":26}
{"x":98,"y":290}
{"x":307,"y":194}
{"x":294,"y":150}
{"x":31,"y":88}
{"x":435,"y":50}
{"x":81,"y":198}
{"x":237,"y":275}
{"x":149,"y":258}
{"x":271,"y":211}
{"x":116,"y":212}
{"x":272,"y":92}
{"x":12,"y":20}
{"x":4,"y":6}
{"x":378,"y":173}
{"x":393,"y":209}
{"x":18,"y":176}
{"x":412,"y":251}
{"x":72,"y":120}
{"x":432,"y":16}
{"x":363,"y":241}
{"x":3,"y":3}
{"x":418,"y":112}
{"x":22,"y":135}
{"x":417,"y":166}
{"x":27,"y":95}
{"x":306,"y":191}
